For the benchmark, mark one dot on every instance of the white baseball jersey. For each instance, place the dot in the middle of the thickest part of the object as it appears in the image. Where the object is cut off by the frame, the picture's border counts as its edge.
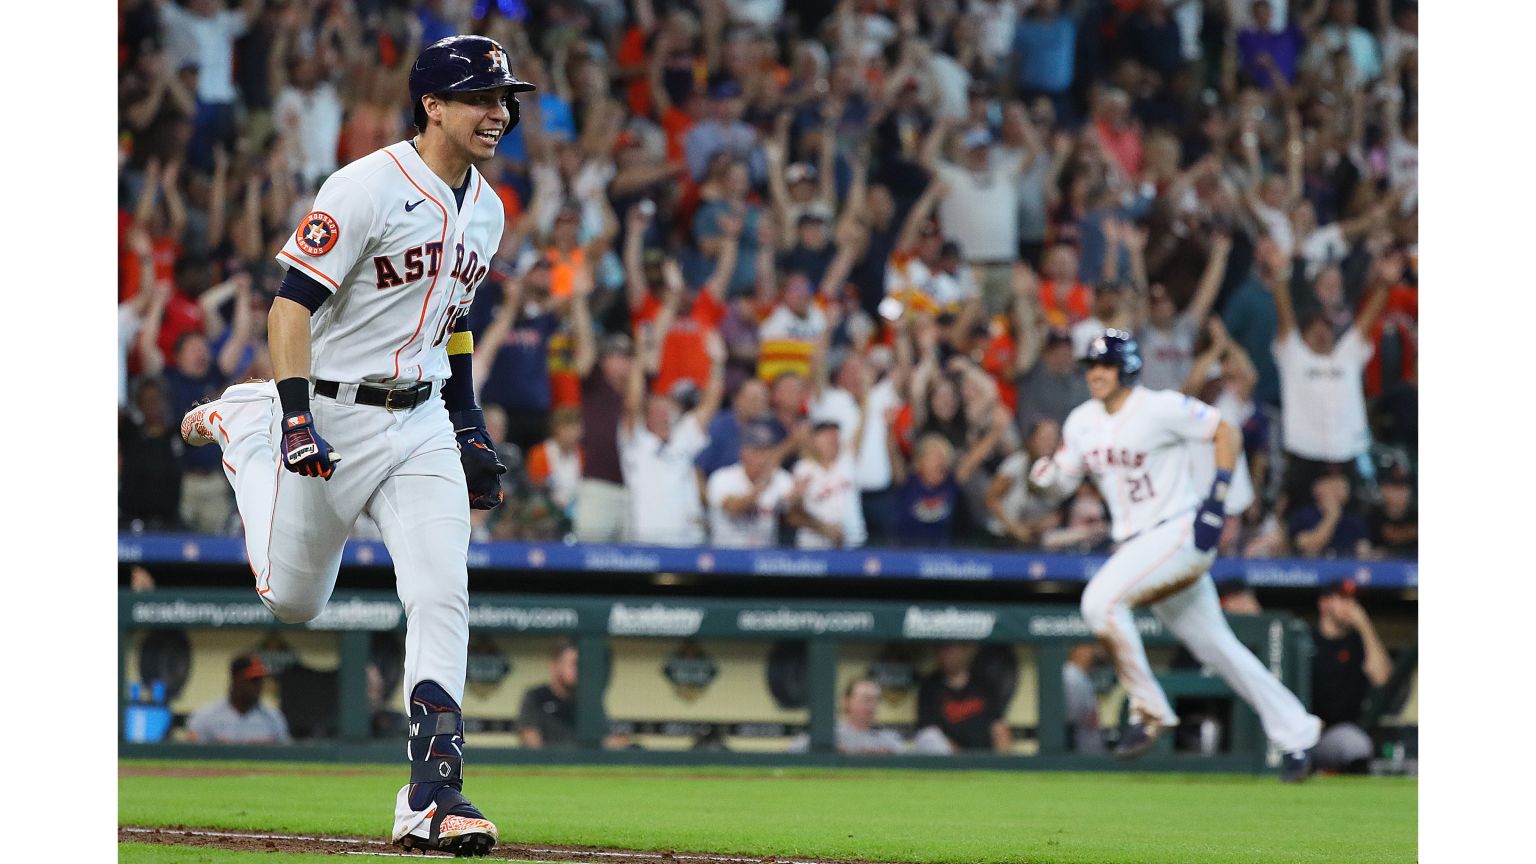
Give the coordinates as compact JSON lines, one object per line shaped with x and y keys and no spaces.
{"x":402,"y":260}
{"x":831,"y":496}
{"x":1143,"y":457}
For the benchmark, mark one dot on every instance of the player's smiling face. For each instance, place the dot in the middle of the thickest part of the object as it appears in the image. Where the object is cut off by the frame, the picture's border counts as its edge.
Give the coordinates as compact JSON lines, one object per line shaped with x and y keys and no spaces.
{"x":475,"y":121}
{"x":1103,"y":379}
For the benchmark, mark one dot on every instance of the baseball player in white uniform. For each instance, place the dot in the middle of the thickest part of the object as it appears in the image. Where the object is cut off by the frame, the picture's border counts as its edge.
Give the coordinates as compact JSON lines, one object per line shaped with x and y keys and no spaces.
{"x":1144,"y":449}
{"x":369,"y":324}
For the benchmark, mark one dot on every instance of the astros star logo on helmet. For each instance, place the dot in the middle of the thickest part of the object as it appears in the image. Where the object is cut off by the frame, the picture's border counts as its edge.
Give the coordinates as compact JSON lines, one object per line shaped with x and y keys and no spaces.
{"x":498,"y":59}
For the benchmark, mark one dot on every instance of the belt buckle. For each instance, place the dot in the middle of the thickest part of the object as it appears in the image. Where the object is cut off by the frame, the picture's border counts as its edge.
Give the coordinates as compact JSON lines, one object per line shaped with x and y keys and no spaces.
{"x":389,"y":400}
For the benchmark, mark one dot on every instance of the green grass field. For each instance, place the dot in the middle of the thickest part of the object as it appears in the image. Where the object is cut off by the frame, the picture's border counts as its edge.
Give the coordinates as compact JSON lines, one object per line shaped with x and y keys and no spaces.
{"x":936,"y":817}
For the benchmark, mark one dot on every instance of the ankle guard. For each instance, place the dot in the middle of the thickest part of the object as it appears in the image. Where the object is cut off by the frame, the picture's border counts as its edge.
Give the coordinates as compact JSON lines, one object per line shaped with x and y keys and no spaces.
{"x":434,"y":743}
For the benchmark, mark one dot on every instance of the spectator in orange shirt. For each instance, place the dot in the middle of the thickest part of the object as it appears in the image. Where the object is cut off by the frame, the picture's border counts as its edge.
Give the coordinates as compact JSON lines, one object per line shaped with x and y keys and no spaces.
{"x":554,"y":464}
{"x":1064,"y":299}
{"x":686,"y":317}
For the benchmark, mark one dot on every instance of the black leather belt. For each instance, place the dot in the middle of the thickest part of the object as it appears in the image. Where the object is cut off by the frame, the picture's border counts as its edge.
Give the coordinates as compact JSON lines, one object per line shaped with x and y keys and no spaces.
{"x":397,"y":399}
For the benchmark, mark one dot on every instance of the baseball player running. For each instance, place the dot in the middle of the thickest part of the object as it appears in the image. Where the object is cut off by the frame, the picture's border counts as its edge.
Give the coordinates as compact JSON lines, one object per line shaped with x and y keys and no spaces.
{"x":1143,"y":449}
{"x":373,"y":409}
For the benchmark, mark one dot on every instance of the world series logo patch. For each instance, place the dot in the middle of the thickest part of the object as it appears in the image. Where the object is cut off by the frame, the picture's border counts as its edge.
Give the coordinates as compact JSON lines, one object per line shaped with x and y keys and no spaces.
{"x":317,"y":233}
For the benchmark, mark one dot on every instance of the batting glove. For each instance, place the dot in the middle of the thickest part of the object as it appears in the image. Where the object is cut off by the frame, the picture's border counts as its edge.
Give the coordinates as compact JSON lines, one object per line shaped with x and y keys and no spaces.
{"x":304,"y":451}
{"x":1211,"y":516}
{"x":482,"y":468}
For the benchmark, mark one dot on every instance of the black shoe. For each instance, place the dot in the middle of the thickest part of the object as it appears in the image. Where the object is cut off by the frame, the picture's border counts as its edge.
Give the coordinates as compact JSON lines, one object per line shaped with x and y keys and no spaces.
{"x":1137,"y":739}
{"x":1295,"y":766}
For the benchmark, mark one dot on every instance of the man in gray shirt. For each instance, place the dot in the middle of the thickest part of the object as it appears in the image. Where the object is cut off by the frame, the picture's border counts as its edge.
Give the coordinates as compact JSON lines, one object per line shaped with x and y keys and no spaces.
{"x":856,"y":732}
{"x":240,"y":718}
{"x":1050,"y":384}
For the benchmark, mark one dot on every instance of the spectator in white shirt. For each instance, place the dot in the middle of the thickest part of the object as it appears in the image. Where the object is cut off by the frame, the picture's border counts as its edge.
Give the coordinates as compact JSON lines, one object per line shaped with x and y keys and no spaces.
{"x":1321,"y":391}
{"x":864,"y":409}
{"x":1016,"y":515}
{"x":308,"y":112}
{"x":203,"y":33}
{"x":746,"y":499}
{"x":657,"y":449}
{"x":980,"y":209}
{"x":827,"y":513}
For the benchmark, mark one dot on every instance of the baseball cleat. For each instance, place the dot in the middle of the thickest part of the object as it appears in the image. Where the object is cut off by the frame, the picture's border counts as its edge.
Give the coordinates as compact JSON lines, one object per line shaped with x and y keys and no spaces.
{"x":1295,"y":766}
{"x":1137,"y":739}
{"x":194,"y":426}
{"x":449,"y":824}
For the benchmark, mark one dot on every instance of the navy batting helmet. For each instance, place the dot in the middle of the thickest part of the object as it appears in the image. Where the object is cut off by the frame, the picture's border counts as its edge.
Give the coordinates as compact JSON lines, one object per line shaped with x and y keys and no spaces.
{"x":460,"y":64}
{"x":1116,"y":347}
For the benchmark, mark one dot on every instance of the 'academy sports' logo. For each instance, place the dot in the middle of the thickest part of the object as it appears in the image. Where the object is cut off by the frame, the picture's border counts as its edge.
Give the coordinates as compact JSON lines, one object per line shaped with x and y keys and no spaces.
{"x":499,"y":59}
{"x":317,"y":233}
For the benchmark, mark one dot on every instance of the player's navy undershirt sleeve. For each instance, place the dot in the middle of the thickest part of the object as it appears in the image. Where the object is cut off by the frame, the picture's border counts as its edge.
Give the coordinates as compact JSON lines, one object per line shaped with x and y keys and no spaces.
{"x":303,"y":290}
{"x":459,"y":389}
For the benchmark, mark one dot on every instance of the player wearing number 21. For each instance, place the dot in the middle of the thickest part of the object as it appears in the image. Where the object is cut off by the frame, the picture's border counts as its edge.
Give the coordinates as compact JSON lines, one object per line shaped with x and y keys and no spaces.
{"x":1142,"y":449}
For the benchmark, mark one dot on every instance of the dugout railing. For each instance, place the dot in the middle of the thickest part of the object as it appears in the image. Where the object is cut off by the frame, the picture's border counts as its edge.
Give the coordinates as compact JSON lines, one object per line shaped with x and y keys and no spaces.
{"x":1280,"y":641}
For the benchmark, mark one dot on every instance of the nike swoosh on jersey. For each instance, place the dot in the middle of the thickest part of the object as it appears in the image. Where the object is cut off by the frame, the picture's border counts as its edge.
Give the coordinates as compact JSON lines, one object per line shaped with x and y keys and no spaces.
{"x":409,"y":206}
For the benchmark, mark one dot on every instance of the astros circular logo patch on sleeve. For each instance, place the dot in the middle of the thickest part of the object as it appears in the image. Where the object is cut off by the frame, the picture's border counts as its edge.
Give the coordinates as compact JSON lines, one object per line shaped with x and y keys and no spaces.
{"x":317,"y":233}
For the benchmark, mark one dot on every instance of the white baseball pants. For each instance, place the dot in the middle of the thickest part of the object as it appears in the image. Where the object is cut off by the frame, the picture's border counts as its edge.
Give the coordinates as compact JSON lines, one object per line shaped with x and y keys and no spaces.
{"x":402,"y":469}
{"x":1161,"y":567}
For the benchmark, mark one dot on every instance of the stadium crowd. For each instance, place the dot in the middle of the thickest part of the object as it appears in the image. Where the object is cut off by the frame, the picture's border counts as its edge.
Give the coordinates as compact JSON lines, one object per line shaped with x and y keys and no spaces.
{"x":815,"y":274}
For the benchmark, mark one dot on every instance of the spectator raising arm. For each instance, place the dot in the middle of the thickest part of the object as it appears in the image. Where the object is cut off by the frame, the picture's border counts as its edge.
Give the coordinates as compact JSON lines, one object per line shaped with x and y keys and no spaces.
{"x":635,"y":286}
{"x":1385,"y":273}
{"x":1210,"y":280}
{"x":1026,"y":326}
{"x":490,"y":342}
{"x":920,"y":213}
{"x":1274,"y":269}
{"x":239,"y":328}
{"x":586,"y":339}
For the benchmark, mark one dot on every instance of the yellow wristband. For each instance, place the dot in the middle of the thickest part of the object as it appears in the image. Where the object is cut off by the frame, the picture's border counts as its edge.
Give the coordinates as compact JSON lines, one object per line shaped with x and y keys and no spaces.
{"x":461,"y":343}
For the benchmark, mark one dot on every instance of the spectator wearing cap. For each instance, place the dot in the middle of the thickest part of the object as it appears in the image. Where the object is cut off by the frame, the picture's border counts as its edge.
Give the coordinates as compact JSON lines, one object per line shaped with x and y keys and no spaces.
{"x":723,"y":130}
{"x":239,"y":717}
{"x":1047,"y":378}
{"x":1393,"y":524}
{"x":1348,"y":660}
{"x":657,"y":446}
{"x":1044,"y":54}
{"x":602,"y":502}
{"x":746,"y":499}
{"x":979,"y":209}
{"x":801,"y":188}
{"x":1322,"y":391}
{"x":827,"y":511}
{"x":512,"y":353}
